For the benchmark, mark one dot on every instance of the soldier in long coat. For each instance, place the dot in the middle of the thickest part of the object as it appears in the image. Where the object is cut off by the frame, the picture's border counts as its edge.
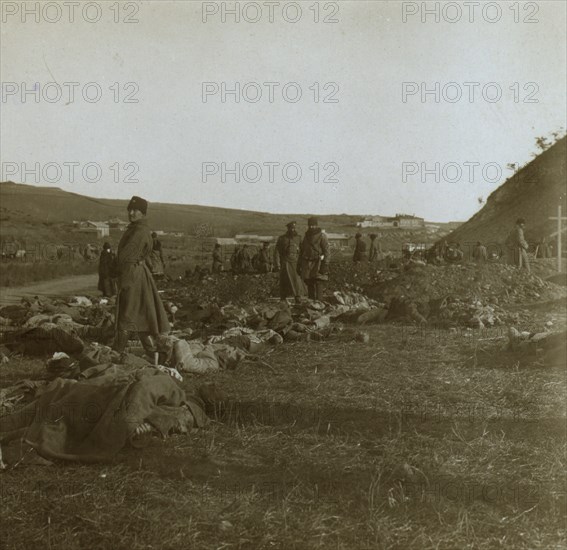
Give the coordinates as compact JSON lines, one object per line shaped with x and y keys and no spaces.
{"x":276,"y":260}
{"x":479,"y":253}
{"x":264,"y":263}
{"x":359,"y":249}
{"x":518,"y":246}
{"x":245,"y":260}
{"x":156,"y":261}
{"x":315,"y":255}
{"x":106,"y":264}
{"x":288,"y":246}
{"x":217,"y":259}
{"x":235,"y":259}
{"x":374,"y":250}
{"x":139,"y":306}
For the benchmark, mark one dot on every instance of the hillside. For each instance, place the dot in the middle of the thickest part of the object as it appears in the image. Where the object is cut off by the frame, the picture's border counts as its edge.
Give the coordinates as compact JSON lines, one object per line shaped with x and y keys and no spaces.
{"x":21,"y":203}
{"x":533,"y":193}
{"x":45,"y":211}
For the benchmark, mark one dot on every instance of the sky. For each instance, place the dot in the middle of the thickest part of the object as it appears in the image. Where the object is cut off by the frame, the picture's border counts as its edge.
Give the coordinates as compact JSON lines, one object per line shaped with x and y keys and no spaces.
{"x":152,"y":113}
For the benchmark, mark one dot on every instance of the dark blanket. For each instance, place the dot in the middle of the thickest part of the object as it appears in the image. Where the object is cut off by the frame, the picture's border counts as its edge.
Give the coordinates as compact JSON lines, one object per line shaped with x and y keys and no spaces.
{"x":92,"y":419}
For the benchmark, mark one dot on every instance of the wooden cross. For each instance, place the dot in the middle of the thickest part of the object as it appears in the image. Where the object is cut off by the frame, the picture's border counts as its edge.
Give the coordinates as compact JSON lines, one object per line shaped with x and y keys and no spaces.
{"x":559,"y":220}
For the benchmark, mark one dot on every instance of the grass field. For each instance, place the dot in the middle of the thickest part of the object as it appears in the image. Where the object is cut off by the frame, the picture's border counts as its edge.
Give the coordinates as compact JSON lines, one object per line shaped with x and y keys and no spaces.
{"x":412,"y":441}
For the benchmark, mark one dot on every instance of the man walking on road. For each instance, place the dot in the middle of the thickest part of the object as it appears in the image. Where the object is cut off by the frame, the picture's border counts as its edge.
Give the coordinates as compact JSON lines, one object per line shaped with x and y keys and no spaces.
{"x":139,"y":306}
{"x":314,"y":259}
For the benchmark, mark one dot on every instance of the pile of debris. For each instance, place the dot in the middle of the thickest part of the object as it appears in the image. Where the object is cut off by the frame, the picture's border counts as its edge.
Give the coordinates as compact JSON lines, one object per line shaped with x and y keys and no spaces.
{"x":223,"y":288}
{"x":490,"y":284}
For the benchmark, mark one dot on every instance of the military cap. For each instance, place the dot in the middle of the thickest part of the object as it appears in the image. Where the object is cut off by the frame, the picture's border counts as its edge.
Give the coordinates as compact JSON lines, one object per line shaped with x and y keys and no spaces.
{"x":138,"y":203}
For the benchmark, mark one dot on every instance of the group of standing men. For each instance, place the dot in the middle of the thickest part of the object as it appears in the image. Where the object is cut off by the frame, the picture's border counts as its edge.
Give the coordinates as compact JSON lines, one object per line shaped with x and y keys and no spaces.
{"x":304,"y":263}
{"x":374,"y":252}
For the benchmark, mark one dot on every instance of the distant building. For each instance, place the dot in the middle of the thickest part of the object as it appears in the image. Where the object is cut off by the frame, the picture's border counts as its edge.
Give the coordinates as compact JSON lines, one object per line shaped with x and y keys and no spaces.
{"x":101,"y":229}
{"x":405,"y":220}
{"x":338,"y":240}
{"x":117,"y":223}
{"x":399,"y":220}
{"x":226,"y":241}
{"x":254,"y":239}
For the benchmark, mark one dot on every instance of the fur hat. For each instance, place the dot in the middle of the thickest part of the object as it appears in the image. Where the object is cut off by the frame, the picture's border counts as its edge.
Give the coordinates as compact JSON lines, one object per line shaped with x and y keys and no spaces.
{"x":138,"y":203}
{"x":312,"y":221}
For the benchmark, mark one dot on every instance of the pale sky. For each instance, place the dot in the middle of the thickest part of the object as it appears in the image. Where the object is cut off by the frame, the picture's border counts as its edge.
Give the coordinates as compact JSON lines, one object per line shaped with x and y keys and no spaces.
{"x":368,"y":134}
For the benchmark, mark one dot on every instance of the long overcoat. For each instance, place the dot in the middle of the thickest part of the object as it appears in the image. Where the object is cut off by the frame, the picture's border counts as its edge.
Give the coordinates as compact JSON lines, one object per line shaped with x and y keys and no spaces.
{"x":315,"y":255}
{"x":106,"y":282}
{"x":288,"y":246}
{"x":517,"y":248}
{"x":359,"y":251}
{"x":139,"y":305}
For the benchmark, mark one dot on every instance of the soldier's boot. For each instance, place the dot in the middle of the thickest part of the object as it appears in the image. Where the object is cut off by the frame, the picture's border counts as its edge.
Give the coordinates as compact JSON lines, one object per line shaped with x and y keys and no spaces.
{"x":319,"y":288}
{"x":120,"y":343}
{"x":150,"y":347}
{"x":311,"y":292}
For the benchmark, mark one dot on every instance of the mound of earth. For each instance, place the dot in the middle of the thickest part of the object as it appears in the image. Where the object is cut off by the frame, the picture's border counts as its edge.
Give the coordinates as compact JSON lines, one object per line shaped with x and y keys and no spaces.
{"x":492,"y":283}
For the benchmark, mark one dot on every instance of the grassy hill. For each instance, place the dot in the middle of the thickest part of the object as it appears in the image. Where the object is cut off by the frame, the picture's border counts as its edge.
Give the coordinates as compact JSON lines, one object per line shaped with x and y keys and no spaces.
{"x":46,"y":211}
{"x":533,"y":193}
{"x":23,"y":204}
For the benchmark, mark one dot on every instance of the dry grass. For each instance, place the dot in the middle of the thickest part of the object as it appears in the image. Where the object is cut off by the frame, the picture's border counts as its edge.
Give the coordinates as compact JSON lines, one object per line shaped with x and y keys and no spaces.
{"x":405,"y":443}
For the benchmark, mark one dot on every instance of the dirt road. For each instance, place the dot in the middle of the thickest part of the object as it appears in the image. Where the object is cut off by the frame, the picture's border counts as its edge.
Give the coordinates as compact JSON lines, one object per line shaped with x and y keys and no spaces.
{"x":79,"y":284}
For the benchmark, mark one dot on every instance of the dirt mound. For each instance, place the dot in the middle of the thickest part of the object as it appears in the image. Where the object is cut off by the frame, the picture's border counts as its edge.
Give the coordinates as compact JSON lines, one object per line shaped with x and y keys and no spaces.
{"x":492,"y":283}
{"x":532,"y":193}
{"x":223,"y":288}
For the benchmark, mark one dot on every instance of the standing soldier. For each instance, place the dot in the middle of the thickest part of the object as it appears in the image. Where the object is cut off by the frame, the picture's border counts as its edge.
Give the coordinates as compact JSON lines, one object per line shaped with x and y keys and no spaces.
{"x":106,"y":267}
{"x":543,"y":249}
{"x":139,"y":306}
{"x":479,"y":253}
{"x":314,"y":259}
{"x":264,"y":264}
{"x":235,"y":259}
{"x":217,"y":259}
{"x":443,"y":250}
{"x":245,"y":260}
{"x":359,"y":249}
{"x":517,"y":246}
{"x":288,"y":246}
{"x":374,"y":250}
{"x":157,"y":265}
{"x":276,"y":260}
